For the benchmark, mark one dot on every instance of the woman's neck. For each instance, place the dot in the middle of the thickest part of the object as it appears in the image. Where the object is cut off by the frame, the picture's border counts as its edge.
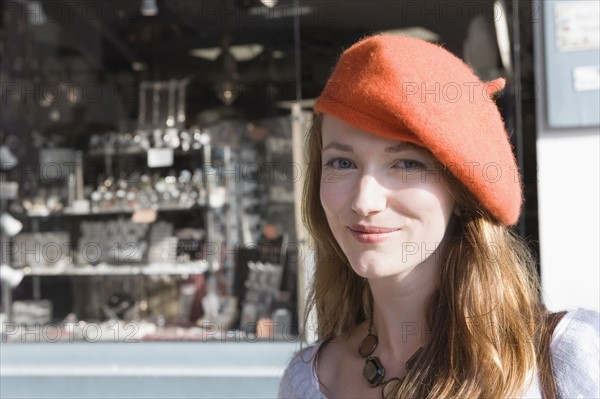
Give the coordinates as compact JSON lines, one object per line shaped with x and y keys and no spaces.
{"x":400,"y":309}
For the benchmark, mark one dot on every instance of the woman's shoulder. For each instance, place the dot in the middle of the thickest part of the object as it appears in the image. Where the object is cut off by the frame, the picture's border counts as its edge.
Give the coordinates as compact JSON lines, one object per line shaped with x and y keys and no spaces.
{"x":578,"y":328}
{"x":299,"y":379}
{"x":575,"y":352}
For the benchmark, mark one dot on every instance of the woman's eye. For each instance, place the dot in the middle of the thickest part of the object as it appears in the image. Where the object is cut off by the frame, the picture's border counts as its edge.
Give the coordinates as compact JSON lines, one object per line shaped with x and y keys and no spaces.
{"x":339,"y":163}
{"x":410,"y":164}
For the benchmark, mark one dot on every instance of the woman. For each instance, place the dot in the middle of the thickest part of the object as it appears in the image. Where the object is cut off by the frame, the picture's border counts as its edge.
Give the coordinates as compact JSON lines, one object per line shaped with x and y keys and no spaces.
{"x":421,"y":288}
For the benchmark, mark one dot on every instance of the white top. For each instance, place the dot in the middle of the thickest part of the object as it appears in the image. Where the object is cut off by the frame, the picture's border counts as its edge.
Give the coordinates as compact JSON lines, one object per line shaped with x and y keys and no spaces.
{"x":575,"y":349}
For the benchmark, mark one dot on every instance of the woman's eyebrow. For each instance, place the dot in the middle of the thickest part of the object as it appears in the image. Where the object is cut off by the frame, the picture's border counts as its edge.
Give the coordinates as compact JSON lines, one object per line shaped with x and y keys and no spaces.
{"x":393,"y":149}
{"x":401,"y":147}
{"x":338,"y":146}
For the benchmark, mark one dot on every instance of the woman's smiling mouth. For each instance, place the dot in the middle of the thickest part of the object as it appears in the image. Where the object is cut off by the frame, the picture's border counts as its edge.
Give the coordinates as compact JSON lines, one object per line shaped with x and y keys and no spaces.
{"x":371,"y":234}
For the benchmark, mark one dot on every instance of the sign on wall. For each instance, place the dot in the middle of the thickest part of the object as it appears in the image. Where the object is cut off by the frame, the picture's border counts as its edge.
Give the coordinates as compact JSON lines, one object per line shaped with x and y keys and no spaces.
{"x":572,"y":44}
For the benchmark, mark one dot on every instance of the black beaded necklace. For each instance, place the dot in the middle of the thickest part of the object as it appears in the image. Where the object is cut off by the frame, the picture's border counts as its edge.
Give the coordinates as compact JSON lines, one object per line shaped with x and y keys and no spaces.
{"x":374,"y":371}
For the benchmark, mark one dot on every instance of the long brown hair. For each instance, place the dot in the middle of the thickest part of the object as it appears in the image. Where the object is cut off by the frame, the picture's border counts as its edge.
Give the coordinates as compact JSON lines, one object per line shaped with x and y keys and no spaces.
{"x":483,"y":317}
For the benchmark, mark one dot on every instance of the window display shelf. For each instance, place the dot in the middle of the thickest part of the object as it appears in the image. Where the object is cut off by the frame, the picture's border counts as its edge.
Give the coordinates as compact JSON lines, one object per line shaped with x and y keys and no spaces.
{"x":116,"y":211}
{"x":103,"y":269}
{"x":139,"y":152}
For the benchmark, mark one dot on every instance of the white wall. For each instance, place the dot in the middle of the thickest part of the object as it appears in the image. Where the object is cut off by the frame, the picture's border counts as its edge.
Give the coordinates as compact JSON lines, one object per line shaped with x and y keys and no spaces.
{"x":568,"y":190}
{"x":569,"y":201}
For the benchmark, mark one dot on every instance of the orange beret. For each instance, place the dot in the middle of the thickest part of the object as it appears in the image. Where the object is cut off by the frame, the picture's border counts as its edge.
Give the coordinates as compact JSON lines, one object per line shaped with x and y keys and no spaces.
{"x":412,"y":90}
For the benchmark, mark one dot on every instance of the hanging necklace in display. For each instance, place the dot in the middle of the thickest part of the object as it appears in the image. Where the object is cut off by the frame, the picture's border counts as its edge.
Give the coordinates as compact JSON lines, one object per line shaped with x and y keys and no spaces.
{"x":374,"y":371}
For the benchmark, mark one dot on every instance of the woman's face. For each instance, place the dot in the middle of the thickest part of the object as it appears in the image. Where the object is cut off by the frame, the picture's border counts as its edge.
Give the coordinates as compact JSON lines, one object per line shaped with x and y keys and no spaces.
{"x":386,"y":202}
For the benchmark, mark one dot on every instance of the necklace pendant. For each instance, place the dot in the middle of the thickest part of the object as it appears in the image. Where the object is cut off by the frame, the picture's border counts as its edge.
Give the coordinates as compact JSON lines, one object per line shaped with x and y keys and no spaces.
{"x":373,"y":371}
{"x":367,"y":345}
{"x":391,"y":387}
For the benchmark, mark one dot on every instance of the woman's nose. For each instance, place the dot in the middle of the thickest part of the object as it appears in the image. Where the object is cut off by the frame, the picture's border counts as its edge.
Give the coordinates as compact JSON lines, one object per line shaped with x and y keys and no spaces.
{"x":369,"y":197}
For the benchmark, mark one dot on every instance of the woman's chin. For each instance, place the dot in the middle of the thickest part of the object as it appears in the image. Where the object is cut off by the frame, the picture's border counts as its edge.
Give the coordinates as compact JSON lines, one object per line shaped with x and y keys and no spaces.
{"x":376,"y":270}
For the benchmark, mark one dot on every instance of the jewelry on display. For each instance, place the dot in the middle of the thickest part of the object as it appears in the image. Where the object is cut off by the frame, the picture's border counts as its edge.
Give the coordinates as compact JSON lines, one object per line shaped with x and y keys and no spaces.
{"x":374,"y":371}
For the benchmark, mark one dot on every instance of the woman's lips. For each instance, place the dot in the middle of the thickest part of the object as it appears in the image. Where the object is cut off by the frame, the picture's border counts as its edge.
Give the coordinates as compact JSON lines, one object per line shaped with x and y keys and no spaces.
{"x":370,"y":234}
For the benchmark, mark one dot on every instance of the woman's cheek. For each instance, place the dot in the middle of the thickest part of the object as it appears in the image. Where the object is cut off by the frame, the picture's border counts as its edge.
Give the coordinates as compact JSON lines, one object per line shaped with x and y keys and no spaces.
{"x":328,"y":196}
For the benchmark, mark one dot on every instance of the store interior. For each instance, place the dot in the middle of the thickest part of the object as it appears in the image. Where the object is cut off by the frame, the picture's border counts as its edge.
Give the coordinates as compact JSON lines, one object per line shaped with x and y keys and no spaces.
{"x":147,"y":162}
